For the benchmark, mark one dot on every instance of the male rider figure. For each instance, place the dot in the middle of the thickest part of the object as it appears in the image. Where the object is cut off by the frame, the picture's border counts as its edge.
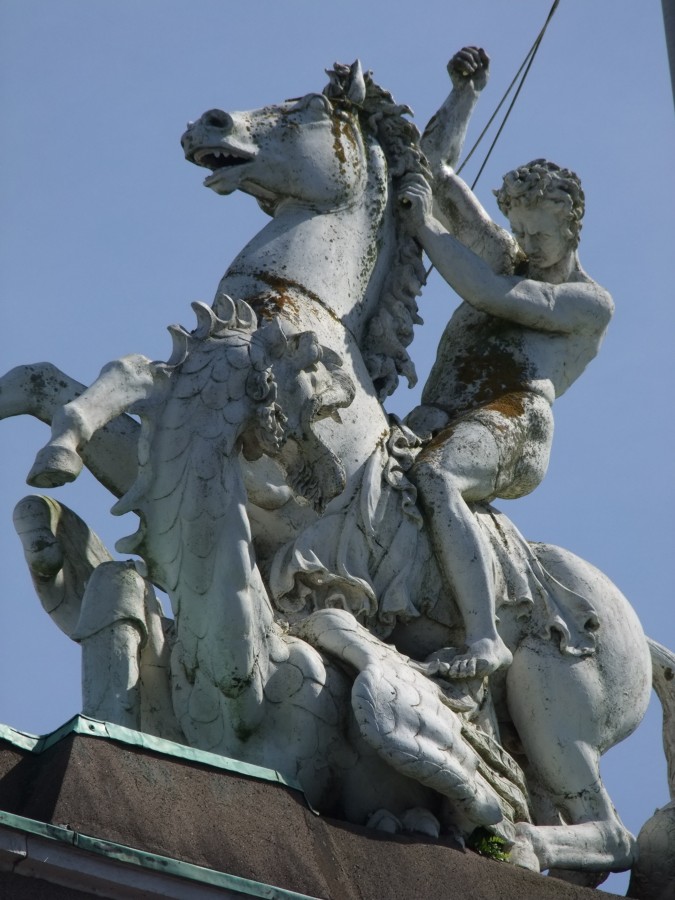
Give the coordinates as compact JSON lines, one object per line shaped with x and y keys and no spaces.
{"x":516,"y":342}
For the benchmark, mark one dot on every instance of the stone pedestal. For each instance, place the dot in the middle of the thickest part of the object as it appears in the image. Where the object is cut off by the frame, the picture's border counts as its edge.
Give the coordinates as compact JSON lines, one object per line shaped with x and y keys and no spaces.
{"x":98,"y":810}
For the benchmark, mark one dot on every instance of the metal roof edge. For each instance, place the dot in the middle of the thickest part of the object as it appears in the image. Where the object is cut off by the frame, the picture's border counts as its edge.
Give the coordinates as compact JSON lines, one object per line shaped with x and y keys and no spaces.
{"x":19,"y":739}
{"x":84,"y":725}
{"x":167,"y":866}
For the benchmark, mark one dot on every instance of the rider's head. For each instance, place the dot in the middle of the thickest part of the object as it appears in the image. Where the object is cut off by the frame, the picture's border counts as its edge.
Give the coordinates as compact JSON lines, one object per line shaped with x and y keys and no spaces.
{"x":541,"y":182}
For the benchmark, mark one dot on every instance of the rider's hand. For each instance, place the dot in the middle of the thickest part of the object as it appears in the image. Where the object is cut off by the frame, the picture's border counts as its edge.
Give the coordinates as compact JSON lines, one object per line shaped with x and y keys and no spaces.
{"x":469,"y":66}
{"x":415,"y":202}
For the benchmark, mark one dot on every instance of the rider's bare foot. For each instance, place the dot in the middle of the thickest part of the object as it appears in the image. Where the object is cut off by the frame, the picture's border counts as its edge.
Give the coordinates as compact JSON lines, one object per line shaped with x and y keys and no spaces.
{"x":482,"y":658}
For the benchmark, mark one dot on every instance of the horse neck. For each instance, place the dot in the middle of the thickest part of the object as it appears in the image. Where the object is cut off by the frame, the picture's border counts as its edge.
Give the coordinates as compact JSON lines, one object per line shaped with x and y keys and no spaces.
{"x":326,"y":256}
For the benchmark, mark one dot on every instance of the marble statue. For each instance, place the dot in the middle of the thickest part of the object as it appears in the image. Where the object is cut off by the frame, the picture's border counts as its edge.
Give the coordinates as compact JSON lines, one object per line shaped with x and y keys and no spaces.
{"x":326,"y":621}
{"x":517,"y":342}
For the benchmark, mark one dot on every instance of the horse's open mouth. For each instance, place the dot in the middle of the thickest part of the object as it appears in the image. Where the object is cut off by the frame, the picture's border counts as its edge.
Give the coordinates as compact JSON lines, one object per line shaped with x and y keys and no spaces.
{"x":215,"y":159}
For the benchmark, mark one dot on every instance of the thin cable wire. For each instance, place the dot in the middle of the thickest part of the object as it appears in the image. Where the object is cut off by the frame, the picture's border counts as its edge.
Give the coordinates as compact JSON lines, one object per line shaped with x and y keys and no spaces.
{"x":494,"y":114}
{"x":525,"y":65}
{"x":530,"y":56}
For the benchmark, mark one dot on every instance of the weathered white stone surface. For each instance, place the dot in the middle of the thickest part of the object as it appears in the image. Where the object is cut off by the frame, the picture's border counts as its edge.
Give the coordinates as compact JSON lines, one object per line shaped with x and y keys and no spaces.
{"x":513,"y":346}
{"x":652,"y":875}
{"x":347,"y":605}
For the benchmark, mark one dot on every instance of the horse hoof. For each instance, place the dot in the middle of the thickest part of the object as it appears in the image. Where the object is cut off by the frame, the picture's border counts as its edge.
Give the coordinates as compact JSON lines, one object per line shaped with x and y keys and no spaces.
{"x":522,"y":854}
{"x":54,"y":465}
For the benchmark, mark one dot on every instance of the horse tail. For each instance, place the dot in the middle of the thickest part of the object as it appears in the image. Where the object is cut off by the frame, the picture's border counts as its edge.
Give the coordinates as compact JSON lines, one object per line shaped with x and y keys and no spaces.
{"x":663,"y":681}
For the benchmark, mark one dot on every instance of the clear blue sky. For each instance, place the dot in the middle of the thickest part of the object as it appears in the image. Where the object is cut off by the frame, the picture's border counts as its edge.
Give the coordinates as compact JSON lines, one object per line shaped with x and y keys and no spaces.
{"x":107,"y":236}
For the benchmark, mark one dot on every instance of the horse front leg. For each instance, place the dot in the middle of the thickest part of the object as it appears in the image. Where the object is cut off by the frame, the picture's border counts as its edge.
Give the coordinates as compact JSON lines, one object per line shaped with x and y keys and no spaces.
{"x":120,"y":385}
{"x":41,"y":389}
{"x":36,"y":390}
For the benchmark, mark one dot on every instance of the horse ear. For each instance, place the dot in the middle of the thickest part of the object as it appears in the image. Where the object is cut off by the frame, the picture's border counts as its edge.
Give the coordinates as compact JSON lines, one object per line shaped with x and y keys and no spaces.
{"x":357,"y":84}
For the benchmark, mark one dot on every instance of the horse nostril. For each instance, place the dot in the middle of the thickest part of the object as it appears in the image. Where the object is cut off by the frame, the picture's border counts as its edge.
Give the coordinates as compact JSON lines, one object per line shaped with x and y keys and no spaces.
{"x":216,"y":118}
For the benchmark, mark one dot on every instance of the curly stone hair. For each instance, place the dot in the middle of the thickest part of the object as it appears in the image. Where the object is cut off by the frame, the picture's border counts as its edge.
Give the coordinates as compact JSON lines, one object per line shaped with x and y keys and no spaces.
{"x":543,"y":180}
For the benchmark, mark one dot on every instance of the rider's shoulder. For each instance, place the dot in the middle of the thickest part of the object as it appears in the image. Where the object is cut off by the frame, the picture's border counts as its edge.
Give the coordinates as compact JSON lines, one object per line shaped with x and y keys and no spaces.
{"x":599,"y":297}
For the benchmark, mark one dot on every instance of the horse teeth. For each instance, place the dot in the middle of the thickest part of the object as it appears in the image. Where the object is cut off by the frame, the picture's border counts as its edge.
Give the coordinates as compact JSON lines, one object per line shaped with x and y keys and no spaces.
{"x":217,"y":158}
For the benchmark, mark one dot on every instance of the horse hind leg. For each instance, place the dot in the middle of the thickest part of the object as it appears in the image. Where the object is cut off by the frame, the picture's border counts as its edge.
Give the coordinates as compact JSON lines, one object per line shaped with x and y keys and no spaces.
{"x":593,"y":841}
{"x":561,"y":734}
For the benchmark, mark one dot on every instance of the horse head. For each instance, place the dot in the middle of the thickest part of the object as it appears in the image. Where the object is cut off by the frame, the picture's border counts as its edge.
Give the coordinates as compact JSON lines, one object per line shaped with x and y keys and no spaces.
{"x":325,"y":167}
{"x":308,"y":151}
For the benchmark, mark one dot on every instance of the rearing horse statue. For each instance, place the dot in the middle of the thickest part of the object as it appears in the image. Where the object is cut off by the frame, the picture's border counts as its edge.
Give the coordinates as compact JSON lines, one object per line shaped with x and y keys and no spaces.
{"x":332,"y":259}
{"x":332,"y":272}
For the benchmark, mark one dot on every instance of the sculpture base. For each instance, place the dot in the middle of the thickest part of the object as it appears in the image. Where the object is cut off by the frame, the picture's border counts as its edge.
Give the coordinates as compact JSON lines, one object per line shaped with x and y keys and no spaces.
{"x":98,"y":810}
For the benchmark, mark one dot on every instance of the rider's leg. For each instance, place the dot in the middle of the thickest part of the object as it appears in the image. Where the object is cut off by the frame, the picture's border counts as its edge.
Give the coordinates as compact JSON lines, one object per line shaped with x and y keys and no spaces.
{"x":461,"y":465}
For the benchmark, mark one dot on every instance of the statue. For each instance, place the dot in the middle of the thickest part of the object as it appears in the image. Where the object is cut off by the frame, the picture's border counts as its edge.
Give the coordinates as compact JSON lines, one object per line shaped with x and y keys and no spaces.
{"x":313,"y":628}
{"x":516,"y":343}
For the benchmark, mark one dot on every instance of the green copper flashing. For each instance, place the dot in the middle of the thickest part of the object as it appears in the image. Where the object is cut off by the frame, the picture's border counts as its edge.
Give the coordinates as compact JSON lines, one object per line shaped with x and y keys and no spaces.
{"x":18,"y":738}
{"x":151,"y":861}
{"x":95,"y":728}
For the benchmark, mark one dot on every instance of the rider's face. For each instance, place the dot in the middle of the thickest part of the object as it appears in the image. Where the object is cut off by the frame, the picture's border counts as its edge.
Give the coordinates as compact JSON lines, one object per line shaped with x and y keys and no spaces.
{"x":541,"y":232}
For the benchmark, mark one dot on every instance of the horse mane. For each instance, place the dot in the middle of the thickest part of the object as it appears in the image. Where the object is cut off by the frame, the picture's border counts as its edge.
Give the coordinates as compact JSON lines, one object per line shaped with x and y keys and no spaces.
{"x":390,"y":329}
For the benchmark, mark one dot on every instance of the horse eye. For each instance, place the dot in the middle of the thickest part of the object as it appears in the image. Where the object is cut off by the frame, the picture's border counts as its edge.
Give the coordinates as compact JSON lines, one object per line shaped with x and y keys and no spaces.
{"x":314,"y":102}
{"x":319,"y":103}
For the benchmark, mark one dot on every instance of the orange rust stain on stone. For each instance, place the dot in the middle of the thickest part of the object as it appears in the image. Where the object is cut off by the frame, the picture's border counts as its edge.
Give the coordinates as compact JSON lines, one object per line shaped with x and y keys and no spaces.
{"x":281,"y":284}
{"x":269,"y":304}
{"x":347,"y":127}
{"x":509,"y":405}
{"x":281,"y":298}
{"x":438,"y":440}
{"x":491,"y":365}
{"x":285,"y":296}
{"x":342,"y":130}
{"x":338,"y":149}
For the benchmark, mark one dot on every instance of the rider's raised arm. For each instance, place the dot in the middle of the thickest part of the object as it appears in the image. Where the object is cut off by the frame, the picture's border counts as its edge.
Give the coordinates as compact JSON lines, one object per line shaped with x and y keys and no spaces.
{"x":444,"y":136}
{"x":455,"y":205}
